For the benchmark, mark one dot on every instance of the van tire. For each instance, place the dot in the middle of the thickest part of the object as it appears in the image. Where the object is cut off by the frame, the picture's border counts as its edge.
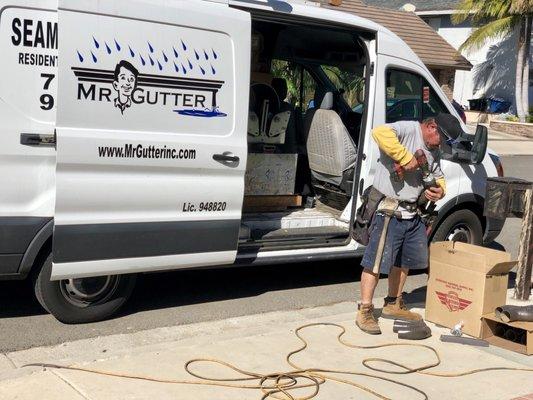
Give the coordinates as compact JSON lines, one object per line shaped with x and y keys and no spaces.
{"x":55,"y":298}
{"x":462,"y":226}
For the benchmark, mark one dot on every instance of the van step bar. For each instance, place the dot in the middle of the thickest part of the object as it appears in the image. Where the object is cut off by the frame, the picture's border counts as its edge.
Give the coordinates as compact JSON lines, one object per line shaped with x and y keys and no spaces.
{"x":299,"y":233}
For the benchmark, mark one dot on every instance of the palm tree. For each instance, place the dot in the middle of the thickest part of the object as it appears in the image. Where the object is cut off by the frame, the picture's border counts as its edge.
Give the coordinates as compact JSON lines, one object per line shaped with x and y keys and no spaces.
{"x":496,"y":19}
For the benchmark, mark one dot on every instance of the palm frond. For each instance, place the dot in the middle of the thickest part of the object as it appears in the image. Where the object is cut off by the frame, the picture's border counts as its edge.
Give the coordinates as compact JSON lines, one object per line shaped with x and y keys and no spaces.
{"x":493,"y":30}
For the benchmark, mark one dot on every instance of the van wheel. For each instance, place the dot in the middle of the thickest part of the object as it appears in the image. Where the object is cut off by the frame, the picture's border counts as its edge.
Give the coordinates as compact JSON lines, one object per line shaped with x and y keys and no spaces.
{"x":460,"y":226}
{"x":78,"y":301}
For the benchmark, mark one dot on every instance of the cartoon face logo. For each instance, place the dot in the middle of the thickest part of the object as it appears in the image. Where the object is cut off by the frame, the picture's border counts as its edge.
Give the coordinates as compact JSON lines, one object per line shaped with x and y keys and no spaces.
{"x":125,"y":82}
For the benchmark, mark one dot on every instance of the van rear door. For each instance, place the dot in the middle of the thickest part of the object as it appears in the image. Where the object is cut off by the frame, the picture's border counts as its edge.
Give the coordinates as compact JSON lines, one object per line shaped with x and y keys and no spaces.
{"x":151,"y":135}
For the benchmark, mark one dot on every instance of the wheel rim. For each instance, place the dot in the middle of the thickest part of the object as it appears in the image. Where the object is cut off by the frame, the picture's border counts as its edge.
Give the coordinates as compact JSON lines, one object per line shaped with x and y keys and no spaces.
{"x":460,"y":233}
{"x":83,"y":292}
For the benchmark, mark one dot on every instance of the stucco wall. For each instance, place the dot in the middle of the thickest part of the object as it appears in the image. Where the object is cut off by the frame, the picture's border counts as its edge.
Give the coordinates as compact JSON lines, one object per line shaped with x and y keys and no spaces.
{"x":494,"y":64}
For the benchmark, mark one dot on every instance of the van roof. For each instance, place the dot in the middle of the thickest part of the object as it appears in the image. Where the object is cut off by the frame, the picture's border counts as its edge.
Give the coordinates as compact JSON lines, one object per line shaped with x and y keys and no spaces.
{"x":315,"y":10}
{"x":309,"y":9}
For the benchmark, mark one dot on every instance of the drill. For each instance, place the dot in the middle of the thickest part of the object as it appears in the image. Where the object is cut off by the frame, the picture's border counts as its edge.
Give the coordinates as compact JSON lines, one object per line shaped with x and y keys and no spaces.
{"x":428,"y":180}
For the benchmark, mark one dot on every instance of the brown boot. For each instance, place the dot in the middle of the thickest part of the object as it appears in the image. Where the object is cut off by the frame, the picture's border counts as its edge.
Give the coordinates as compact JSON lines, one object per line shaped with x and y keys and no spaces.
{"x":398,"y":310}
{"x":366,"y":321}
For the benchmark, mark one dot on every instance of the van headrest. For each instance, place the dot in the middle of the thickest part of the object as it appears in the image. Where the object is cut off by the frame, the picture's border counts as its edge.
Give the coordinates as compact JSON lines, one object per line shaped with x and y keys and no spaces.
{"x":280,"y":86}
{"x":327,"y":101}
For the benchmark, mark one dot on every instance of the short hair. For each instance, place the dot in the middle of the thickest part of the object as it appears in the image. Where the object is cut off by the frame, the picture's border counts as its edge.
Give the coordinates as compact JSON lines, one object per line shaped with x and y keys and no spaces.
{"x":429,"y":120}
{"x":128,"y":66}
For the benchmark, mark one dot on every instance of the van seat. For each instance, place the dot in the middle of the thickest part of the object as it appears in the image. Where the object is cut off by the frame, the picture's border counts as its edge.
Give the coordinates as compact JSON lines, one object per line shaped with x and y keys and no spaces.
{"x":330,"y":148}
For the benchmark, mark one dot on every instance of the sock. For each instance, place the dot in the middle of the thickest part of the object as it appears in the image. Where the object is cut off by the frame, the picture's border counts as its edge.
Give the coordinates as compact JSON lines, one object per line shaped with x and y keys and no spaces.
{"x":390,"y":299}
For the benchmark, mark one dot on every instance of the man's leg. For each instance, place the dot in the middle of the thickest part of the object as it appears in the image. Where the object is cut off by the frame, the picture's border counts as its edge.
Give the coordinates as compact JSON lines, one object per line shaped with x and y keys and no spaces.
{"x":369,"y":281}
{"x":413,"y":254}
{"x":365,"y":316}
{"x":397,"y":278}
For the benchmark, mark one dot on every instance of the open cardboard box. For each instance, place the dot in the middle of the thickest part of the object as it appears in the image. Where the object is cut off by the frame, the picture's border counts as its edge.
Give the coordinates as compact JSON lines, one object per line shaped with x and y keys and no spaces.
{"x":489,"y":329}
{"x":465,"y":283}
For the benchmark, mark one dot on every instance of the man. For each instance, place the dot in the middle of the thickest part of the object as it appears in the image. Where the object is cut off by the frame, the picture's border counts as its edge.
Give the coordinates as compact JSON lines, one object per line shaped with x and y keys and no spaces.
{"x":125,"y":83}
{"x":405,"y":241}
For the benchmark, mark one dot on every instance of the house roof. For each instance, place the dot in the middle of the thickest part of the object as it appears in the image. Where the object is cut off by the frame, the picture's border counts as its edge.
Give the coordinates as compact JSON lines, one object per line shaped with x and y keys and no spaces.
{"x":421,"y":5}
{"x":433,"y":49}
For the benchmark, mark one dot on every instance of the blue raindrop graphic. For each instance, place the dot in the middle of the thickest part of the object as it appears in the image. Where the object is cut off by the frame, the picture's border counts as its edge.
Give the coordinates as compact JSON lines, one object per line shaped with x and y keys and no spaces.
{"x":183,"y":45}
{"x":80,"y":57}
{"x":206,"y":56}
{"x":175,"y":52}
{"x":213,"y":70}
{"x":201,"y":69}
{"x":94,"y":57}
{"x":165,"y":56}
{"x":196,"y":55}
{"x":96,"y":43}
{"x":132,"y":53}
{"x":215,"y":55}
{"x":183,"y":69}
{"x":190,"y":64}
{"x":159,"y":65}
{"x":176,"y":68}
{"x":117,"y":45}
{"x":151,"y":60}
{"x":150,"y":48}
{"x":142,"y":60}
{"x":108,"y":48}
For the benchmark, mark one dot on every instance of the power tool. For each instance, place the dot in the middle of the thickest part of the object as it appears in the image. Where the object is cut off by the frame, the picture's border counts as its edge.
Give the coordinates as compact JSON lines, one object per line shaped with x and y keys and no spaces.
{"x":427,"y":208}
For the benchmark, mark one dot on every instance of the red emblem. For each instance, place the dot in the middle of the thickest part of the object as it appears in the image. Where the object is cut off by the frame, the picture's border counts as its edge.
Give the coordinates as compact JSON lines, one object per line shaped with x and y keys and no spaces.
{"x":453,"y":301}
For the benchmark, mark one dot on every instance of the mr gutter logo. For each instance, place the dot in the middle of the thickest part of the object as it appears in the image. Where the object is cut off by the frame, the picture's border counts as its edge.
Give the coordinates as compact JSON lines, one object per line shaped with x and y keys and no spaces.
{"x":453,"y":301}
{"x":186,"y":96}
{"x":125,"y":84}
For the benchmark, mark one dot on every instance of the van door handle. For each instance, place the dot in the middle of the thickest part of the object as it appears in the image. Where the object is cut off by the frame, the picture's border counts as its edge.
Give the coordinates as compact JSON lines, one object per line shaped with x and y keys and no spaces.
{"x":226,"y":157}
{"x":37,"y":139}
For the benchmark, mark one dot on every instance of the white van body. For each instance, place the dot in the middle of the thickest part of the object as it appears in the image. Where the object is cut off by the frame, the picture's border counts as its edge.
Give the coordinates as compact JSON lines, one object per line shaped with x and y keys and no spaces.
{"x":107,"y":175}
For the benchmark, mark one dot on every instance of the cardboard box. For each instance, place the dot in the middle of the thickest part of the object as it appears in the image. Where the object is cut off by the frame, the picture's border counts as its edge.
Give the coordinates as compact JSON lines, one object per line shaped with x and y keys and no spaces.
{"x":465,"y":283}
{"x":490,"y":328}
{"x":270,"y":174}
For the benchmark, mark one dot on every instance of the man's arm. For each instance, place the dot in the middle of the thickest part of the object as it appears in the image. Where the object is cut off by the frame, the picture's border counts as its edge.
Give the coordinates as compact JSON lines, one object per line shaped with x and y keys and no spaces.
{"x":435,"y":194}
{"x":387,"y":140}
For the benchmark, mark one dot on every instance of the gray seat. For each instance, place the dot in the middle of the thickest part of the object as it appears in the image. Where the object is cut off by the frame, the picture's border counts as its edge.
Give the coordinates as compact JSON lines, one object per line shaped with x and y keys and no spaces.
{"x":330,"y":148}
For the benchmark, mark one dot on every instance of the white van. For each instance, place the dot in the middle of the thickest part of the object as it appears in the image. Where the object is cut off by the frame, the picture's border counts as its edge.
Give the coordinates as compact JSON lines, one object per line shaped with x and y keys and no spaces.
{"x":126,"y":126}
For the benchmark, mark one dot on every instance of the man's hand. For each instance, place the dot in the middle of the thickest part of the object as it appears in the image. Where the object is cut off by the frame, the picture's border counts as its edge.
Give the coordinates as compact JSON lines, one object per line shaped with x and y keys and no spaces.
{"x":411,"y":165}
{"x":434,"y":193}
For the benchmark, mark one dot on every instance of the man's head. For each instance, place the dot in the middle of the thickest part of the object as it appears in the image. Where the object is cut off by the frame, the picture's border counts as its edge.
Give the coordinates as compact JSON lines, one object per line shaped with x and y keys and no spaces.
{"x":125,"y":78}
{"x":441,"y":129}
{"x":430,"y":133}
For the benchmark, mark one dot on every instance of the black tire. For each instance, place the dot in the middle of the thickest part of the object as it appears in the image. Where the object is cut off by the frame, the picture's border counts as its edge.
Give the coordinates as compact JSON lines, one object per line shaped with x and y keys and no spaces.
{"x":69,"y":301}
{"x":460,"y":226}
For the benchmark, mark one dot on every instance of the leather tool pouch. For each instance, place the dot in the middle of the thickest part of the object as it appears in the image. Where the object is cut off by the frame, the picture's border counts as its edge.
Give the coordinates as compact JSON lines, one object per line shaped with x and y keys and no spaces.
{"x":365,"y":213}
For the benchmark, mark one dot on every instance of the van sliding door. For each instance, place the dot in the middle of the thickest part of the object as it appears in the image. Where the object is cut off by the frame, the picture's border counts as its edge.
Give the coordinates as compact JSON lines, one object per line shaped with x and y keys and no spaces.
{"x":151,"y":135}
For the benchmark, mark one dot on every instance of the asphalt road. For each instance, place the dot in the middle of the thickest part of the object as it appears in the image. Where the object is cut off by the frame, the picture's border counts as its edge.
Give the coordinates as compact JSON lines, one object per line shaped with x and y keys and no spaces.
{"x":183,"y":297}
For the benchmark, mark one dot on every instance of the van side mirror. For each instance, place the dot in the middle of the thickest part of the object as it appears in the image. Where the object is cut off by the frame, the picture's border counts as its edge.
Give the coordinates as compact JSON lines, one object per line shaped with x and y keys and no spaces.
{"x":471,"y":148}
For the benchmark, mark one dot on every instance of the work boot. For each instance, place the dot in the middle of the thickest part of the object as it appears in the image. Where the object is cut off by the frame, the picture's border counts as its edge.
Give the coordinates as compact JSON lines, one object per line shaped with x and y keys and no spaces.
{"x":397,"y":310}
{"x":366,"y":321}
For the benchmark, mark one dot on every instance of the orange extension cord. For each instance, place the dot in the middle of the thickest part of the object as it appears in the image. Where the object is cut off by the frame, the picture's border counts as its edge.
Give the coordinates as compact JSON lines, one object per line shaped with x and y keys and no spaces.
{"x":282,"y":385}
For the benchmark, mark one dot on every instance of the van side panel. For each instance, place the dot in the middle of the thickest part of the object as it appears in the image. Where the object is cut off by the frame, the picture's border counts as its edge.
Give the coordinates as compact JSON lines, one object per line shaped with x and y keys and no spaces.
{"x":151,"y":135}
{"x":28,"y":94}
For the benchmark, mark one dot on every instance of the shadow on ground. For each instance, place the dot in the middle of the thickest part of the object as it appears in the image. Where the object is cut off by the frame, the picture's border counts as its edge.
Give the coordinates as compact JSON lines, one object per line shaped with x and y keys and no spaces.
{"x":178,"y":288}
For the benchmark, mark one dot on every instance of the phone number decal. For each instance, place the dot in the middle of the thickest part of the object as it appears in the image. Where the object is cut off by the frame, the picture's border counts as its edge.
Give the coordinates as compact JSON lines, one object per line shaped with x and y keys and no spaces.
{"x":210,"y":206}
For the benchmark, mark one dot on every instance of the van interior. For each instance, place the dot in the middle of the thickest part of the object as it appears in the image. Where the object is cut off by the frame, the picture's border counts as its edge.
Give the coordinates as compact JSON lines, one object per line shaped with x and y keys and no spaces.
{"x":307,"y":97}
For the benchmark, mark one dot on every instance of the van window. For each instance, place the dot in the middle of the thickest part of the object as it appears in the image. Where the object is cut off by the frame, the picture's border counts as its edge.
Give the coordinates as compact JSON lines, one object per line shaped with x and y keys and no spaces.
{"x":301,"y":86}
{"x":410,"y":97}
{"x":350,"y":83}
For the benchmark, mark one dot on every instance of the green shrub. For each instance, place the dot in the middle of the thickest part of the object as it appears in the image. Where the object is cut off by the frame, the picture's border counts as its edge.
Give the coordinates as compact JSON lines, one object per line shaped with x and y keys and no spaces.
{"x":512,"y":118}
{"x":529,"y":118}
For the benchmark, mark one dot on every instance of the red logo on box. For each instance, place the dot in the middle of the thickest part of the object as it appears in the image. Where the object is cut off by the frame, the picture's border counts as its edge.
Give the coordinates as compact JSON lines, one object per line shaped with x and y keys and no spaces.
{"x":453,"y":301}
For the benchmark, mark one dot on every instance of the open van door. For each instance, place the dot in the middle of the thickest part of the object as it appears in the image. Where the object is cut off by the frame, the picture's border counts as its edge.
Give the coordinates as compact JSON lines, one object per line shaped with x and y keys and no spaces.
{"x":151,"y":135}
